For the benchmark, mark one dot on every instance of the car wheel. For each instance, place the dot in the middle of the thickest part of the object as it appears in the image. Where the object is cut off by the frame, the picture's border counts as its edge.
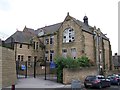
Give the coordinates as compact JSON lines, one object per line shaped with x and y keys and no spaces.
{"x":100,"y":86}
{"x":118,"y":83}
{"x":86,"y":86}
{"x":109,"y":84}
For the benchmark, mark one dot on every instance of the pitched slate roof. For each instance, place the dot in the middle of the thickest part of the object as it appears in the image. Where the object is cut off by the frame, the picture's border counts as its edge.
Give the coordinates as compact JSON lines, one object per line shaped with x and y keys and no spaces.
{"x":87,"y":28}
{"x":84,"y":26}
{"x":29,"y":30}
{"x":21,"y":37}
{"x":49,"y":29}
{"x":53,"y":28}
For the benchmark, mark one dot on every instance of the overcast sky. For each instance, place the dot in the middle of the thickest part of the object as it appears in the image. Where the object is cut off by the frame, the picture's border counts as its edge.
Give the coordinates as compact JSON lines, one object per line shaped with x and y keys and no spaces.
{"x":15,"y":14}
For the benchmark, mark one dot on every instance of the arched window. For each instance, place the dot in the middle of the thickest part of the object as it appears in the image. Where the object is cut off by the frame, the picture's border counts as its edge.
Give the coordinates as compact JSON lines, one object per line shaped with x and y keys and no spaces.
{"x":68,"y":35}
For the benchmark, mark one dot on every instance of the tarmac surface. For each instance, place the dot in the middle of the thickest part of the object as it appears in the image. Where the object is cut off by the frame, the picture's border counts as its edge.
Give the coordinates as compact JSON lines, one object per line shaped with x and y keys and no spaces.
{"x":51,"y":83}
{"x":39,"y":82}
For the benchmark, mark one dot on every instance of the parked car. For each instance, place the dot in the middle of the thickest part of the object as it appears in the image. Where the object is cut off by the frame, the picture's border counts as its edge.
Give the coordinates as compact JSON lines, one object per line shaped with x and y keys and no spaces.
{"x":97,"y":81}
{"x":114,"y":79}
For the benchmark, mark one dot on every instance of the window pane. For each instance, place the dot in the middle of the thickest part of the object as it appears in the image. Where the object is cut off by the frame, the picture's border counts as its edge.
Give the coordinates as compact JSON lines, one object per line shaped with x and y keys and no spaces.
{"x":36,"y":45}
{"x":20,"y":45}
{"x":21,"y":58}
{"x":51,"y":40}
{"x":46,"y":55}
{"x":50,"y":57}
{"x":64,"y":50}
{"x":18,"y":57}
{"x":47,"y":41}
{"x":29,"y":61}
{"x":73,"y":52}
{"x":46,"y":58}
{"x":28,"y":46}
{"x":51,"y":51}
{"x":46,"y":51}
{"x":64,"y":36}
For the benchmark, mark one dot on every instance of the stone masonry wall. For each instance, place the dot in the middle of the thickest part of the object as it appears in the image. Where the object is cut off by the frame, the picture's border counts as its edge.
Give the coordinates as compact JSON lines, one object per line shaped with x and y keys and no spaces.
{"x":107,"y":59}
{"x":77,"y":74}
{"x":49,"y":47}
{"x":8,"y":67}
{"x":25,"y":51}
{"x":89,"y":46}
{"x":78,"y":43}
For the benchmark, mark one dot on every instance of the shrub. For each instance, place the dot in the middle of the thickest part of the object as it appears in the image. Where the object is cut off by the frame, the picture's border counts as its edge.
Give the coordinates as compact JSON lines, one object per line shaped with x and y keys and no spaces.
{"x":69,"y":62}
{"x":83,"y":61}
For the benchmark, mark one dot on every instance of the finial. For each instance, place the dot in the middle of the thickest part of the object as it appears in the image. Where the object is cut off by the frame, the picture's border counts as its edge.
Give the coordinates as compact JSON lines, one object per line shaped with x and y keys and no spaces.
{"x":67,"y":13}
{"x":98,"y":28}
{"x":17,"y":29}
{"x":94,"y":27}
{"x":25,"y":26}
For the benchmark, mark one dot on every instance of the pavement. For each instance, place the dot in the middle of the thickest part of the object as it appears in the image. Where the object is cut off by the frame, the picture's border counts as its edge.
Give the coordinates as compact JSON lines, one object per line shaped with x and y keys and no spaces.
{"x":38,"y":82}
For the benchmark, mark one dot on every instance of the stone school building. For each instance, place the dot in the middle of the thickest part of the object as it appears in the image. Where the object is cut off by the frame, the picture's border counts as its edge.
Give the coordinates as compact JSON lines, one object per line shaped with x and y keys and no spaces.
{"x":71,"y":37}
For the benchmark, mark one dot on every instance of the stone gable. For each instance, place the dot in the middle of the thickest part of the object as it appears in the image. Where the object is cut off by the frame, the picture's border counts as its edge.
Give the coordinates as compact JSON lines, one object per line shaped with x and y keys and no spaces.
{"x":77,"y":43}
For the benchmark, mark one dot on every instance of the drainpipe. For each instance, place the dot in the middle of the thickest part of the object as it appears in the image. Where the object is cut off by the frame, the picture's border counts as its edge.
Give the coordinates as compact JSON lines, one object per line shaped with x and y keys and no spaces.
{"x":17,"y":62}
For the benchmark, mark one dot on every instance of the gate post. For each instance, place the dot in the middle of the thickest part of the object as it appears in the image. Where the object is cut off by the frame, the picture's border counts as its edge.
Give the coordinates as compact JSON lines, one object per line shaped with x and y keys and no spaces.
{"x":35,"y":68}
{"x":45,"y":69}
{"x":17,"y":67}
{"x":26,"y":69}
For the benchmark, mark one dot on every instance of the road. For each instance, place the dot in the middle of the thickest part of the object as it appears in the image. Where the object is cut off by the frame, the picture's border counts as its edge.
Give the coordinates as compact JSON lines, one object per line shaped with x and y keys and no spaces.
{"x":108,"y":88}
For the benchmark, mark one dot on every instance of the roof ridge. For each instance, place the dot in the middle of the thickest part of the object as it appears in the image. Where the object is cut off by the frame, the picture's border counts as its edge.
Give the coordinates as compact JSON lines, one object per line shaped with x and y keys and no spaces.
{"x":54,"y":24}
{"x":50,"y":25}
{"x":27,"y":28}
{"x":15,"y":33}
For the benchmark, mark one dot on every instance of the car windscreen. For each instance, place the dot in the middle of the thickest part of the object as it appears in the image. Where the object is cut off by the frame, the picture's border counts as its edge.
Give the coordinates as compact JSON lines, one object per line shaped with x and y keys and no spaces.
{"x":90,"y":78}
{"x":111,"y":77}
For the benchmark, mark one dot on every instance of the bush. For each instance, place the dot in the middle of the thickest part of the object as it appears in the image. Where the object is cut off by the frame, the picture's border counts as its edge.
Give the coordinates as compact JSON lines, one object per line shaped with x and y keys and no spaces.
{"x":60,"y":64}
{"x":69,"y":62}
{"x":83,"y":61}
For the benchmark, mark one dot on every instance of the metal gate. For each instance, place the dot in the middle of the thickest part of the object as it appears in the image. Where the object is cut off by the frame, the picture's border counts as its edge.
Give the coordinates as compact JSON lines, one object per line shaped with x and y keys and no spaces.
{"x":21,"y":69}
{"x":51,"y":71}
{"x":27,"y":69}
